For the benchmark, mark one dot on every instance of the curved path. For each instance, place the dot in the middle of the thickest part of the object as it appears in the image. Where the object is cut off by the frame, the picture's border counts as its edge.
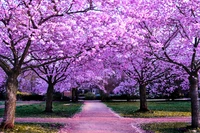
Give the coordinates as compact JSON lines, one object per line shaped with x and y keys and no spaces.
{"x":96,"y":117}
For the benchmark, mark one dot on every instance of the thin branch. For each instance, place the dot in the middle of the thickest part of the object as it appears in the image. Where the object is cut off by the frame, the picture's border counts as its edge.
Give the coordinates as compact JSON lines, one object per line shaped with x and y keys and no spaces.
{"x":5,"y":66}
{"x":39,"y":75}
{"x":176,"y":63}
{"x":180,"y":10}
{"x":49,"y":17}
{"x":167,"y":43}
{"x":45,"y":63}
{"x":7,"y":58}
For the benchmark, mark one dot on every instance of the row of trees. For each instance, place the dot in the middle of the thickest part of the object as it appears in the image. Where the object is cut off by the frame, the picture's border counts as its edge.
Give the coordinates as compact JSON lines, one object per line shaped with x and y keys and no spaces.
{"x":147,"y":43}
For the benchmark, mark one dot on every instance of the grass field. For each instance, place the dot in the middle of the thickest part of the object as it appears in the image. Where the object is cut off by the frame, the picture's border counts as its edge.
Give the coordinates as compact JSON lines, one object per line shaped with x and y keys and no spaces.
{"x":158,"y":109}
{"x":168,"y":128}
{"x":60,"y":109}
{"x":34,"y":128}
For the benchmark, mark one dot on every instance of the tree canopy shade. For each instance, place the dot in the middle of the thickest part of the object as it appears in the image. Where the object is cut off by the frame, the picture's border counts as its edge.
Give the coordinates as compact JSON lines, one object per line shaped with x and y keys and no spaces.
{"x":113,"y":39}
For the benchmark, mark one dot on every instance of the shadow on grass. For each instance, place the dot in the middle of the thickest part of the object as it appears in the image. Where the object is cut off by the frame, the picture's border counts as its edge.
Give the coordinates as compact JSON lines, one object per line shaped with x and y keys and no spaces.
{"x":178,"y":127}
{"x":157,"y":109}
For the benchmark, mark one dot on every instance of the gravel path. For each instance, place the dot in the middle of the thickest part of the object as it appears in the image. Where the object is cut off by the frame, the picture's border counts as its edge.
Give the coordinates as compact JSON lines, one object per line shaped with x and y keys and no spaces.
{"x":96,"y":117}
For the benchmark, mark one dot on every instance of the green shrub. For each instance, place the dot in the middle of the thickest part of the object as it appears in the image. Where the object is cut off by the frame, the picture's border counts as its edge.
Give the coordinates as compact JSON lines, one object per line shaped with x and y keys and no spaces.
{"x":89,"y":96}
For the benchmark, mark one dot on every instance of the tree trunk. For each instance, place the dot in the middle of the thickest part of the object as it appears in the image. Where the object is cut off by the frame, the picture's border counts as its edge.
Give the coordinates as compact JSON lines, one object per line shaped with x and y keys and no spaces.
{"x":49,"y":98}
{"x":128,"y":97}
{"x":194,"y":100}
{"x":104,"y":96}
{"x":10,"y":102}
{"x":74,"y":95}
{"x":143,"y":99}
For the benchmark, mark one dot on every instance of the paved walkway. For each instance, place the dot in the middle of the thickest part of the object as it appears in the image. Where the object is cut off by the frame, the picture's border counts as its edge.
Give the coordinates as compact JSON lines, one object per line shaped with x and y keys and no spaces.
{"x":96,"y":117}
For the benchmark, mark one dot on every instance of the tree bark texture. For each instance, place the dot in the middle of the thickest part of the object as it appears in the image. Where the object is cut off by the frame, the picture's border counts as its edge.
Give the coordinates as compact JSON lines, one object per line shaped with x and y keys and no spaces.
{"x":49,"y":98}
{"x":10,"y":102}
{"x":143,"y":99}
{"x":74,"y":95}
{"x":194,"y":100}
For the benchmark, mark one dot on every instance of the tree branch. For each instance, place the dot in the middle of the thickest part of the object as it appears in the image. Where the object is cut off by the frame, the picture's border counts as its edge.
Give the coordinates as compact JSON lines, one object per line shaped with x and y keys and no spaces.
{"x":39,"y":75}
{"x":5,"y":66}
{"x":25,"y":52}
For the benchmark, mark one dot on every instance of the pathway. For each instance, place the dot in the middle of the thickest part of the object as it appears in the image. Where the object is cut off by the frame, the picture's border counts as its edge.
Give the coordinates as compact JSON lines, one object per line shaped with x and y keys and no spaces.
{"x":96,"y":117}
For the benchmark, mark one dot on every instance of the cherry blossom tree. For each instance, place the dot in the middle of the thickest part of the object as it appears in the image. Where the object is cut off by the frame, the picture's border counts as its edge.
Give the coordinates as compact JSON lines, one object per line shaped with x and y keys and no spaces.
{"x":111,"y":75}
{"x":80,"y":76}
{"x":27,"y":82}
{"x":144,"y":69}
{"x":172,"y":31}
{"x":22,"y":24}
{"x":52,"y":74}
{"x":172,"y":85}
{"x":105,"y":31}
{"x":128,"y":87}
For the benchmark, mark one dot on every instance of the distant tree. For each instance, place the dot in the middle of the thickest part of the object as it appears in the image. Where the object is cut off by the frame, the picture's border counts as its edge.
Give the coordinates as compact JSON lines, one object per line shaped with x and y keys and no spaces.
{"x":52,"y":74}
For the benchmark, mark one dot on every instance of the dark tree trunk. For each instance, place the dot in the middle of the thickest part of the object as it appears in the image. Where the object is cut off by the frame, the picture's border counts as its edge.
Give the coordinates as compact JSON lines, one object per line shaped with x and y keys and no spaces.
{"x":143,"y":99}
{"x":128,"y":97}
{"x":10,"y":102}
{"x":194,"y":100}
{"x":74,"y":95}
{"x":104,"y":96}
{"x":49,"y":98}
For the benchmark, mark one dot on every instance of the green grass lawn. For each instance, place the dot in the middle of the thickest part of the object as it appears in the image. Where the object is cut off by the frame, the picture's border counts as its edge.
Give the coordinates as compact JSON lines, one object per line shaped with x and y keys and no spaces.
{"x":34,"y":128}
{"x":158,"y":109}
{"x":60,"y":109}
{"x":167,"y":128}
